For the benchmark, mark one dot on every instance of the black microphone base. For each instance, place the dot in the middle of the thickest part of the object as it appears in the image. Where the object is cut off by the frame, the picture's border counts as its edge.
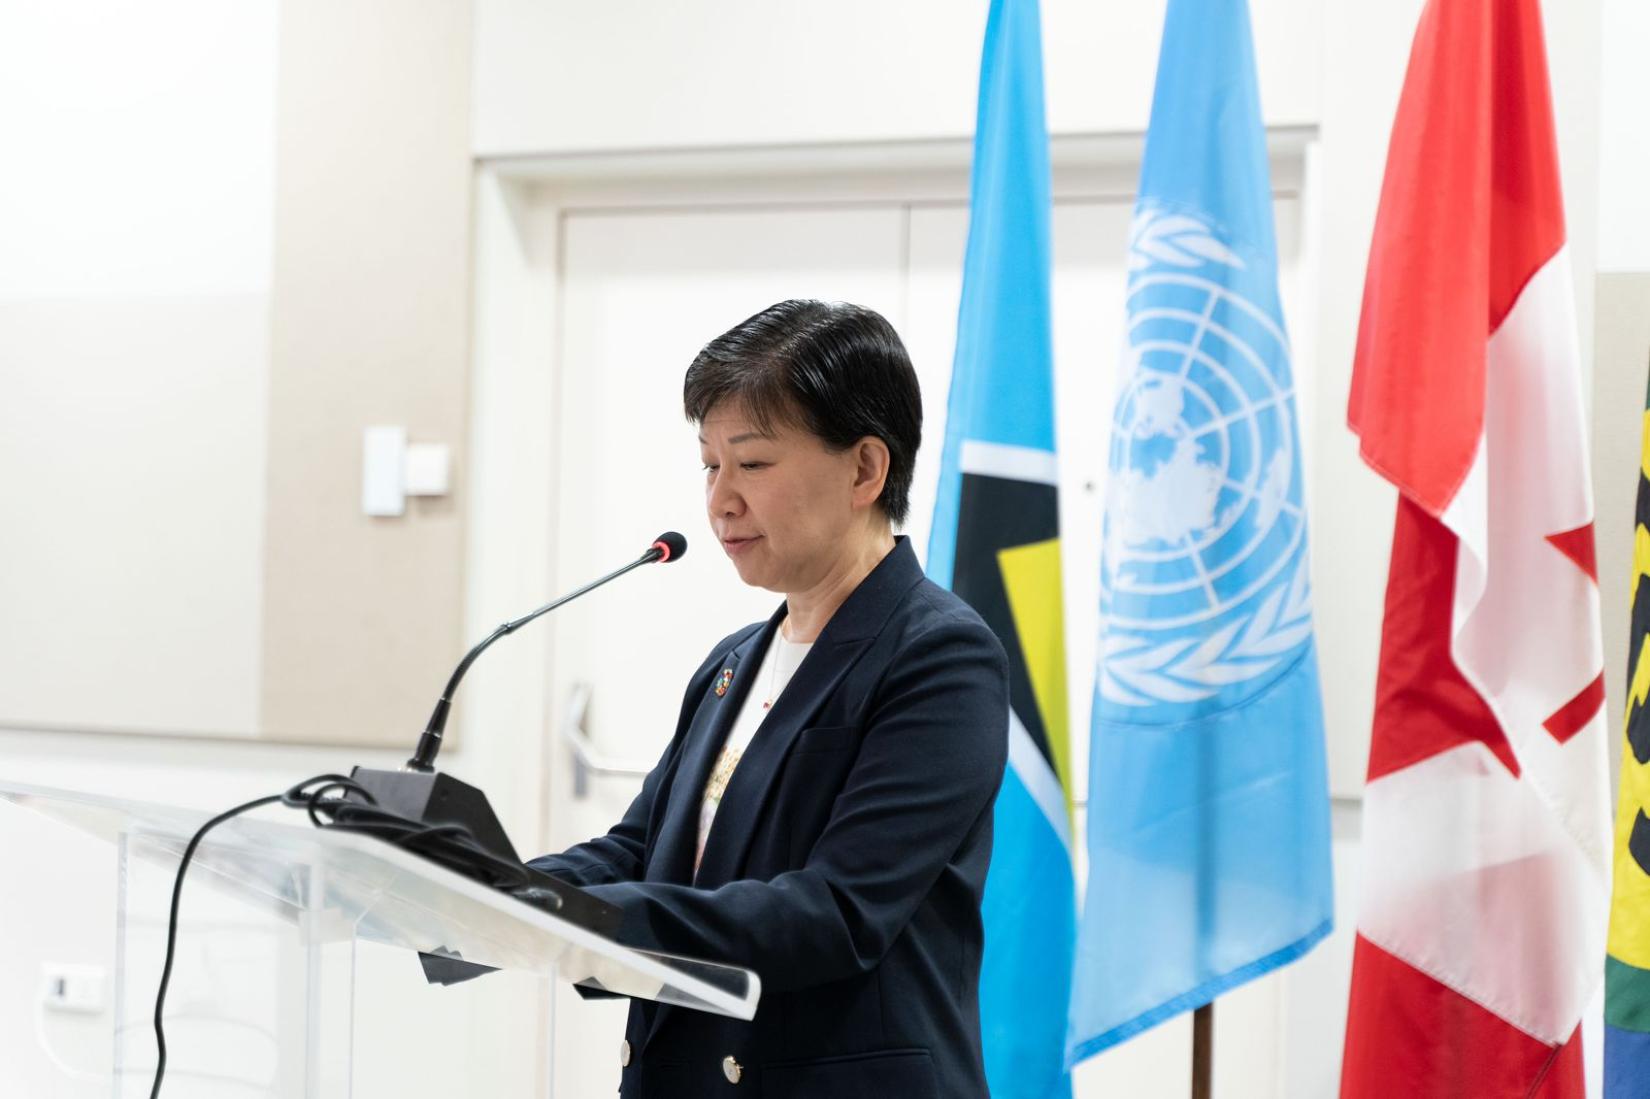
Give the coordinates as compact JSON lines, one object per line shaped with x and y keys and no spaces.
{"x":432,"y":797}
{"x":436,"y":798}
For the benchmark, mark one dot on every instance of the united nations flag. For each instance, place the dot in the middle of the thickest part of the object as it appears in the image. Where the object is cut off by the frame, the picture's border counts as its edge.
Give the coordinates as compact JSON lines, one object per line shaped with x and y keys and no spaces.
{"x":1208,"y":810}
{"x":1627,"y":969}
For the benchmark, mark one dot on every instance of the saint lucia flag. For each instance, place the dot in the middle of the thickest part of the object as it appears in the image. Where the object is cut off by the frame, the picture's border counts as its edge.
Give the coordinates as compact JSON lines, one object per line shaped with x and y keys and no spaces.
{"x":996,"y":543}
{"x":1208,"y":811}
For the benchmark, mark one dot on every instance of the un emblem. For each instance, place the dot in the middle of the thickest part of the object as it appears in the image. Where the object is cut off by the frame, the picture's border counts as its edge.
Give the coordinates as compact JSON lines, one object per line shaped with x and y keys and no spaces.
{"x":1204,"y":586}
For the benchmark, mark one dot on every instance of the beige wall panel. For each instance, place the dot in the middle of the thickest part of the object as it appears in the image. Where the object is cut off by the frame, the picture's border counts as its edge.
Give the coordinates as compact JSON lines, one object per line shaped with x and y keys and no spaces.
{"x":369,"y":320}
{"x":131,"y":464}
{"x":1622,"y":342}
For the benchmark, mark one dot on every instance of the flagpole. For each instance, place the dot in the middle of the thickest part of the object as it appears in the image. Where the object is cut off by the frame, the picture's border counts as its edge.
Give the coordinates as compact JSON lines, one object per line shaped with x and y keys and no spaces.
{"x":1203,"y":1050}
{"x":1203,"y":1018}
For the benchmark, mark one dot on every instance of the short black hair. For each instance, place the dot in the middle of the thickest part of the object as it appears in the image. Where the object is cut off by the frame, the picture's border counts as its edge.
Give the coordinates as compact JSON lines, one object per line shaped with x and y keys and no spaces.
{"x":833,"y":369}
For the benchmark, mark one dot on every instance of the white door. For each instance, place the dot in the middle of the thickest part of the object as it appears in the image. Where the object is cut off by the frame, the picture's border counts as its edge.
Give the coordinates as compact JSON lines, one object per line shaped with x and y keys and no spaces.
{"x":643,"y":290}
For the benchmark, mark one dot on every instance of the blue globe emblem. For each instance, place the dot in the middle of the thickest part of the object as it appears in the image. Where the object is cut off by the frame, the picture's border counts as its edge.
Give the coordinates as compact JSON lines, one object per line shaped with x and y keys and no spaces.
{"x":1204,"y":586}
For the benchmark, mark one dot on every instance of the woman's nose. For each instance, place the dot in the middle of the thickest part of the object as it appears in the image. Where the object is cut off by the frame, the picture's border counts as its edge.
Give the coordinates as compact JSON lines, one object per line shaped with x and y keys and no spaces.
{"x":720,"y":497}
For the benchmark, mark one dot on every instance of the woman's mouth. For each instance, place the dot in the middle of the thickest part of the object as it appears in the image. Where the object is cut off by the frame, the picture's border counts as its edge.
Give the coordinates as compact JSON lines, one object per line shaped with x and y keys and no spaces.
{"x":736,"y":546}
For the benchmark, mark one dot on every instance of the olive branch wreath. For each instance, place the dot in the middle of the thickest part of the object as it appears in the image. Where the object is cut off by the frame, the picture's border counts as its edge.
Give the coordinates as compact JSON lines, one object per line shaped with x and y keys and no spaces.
{"x":1134,"y":671}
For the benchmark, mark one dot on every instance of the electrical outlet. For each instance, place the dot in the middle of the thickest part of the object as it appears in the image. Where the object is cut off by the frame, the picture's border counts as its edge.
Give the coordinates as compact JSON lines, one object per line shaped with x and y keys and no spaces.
{"x":72,"y":988}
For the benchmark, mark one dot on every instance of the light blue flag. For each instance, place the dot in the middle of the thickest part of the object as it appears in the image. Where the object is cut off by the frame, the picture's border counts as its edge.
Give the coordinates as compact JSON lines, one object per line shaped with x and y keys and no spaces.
{"x":1208,"y":827}
{"x":995,"y":542}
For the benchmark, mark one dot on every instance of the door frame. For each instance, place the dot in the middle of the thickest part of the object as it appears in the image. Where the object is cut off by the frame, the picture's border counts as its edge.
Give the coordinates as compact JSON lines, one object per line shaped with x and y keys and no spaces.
{"x":520,"y":208}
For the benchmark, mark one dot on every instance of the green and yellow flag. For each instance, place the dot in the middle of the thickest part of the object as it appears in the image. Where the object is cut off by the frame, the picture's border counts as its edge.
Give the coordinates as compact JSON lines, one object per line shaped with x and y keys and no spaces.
{"x":1627,"y":969}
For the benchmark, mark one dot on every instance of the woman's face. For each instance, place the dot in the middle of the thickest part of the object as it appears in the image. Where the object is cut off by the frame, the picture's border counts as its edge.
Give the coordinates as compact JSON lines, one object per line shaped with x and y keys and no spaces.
{"x":783,"y":505}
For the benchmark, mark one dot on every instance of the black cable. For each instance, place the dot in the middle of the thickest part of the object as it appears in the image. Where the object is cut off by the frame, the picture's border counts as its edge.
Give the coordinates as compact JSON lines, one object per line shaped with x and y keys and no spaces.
{"x":452,"y":846}
{"x":172,"y":931}
{"x":291,"y":797}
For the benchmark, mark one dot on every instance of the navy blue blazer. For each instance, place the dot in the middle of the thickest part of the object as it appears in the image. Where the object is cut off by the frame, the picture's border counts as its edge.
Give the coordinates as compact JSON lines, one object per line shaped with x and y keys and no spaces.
{"x":845,"y":865}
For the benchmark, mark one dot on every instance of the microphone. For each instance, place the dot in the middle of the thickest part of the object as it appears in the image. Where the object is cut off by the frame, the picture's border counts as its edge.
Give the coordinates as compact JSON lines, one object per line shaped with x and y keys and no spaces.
{"x":669,"y":546}
{"x":418,"y":793}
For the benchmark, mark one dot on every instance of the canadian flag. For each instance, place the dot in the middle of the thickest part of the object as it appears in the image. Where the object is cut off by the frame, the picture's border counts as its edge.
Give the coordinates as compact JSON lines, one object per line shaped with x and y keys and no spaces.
{"x":1486,"y":809}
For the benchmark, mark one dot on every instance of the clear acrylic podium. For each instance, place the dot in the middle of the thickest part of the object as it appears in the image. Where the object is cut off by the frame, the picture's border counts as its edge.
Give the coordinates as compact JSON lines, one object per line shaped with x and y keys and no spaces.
{"x":317,"y":896}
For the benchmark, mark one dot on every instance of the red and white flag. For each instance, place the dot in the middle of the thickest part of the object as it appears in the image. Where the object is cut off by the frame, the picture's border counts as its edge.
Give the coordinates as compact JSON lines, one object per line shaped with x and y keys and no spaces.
{"x":1486,"y":827}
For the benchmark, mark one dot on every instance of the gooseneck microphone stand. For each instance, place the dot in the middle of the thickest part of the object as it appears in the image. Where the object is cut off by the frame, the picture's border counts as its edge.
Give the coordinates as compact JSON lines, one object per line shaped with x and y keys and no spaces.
{"x":667,"y":547}
{"x":421,"y":793}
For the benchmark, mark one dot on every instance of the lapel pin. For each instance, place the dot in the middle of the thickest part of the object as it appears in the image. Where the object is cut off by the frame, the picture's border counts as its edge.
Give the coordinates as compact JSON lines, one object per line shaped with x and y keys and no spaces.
{"x":722,"y":684}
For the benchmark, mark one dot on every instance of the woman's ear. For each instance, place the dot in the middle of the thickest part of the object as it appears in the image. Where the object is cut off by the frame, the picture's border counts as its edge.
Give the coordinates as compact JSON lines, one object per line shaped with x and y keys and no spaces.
{"x":870,"y":470}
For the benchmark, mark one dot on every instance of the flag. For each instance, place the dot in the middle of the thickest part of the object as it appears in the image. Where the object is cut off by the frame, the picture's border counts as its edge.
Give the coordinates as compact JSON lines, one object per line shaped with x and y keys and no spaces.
{"x":1486,"y":812}
{"x":1208,"y":811}
{"x":996,"y":543}
{"x":1627,"y":968}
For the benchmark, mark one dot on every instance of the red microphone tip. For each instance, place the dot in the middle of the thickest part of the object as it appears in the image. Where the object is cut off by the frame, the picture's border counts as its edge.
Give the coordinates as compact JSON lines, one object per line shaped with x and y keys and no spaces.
{"x":670,"y":546}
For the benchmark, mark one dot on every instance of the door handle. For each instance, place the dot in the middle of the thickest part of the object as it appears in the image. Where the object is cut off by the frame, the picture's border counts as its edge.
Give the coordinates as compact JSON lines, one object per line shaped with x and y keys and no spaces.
{"x":587,"y":758}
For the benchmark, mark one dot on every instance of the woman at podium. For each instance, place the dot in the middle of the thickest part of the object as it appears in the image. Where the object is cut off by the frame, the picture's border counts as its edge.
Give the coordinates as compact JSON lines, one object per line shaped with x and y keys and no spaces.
{"x":823,"y":812}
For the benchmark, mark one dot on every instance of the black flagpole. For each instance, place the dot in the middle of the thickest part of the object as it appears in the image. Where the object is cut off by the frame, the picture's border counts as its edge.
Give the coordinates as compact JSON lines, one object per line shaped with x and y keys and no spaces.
{"x":1203,"y":1050}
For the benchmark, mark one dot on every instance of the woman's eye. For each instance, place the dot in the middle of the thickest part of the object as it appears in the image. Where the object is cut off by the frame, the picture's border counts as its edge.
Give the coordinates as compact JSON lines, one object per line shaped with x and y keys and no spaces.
{"x":710,"y":469}
{"x":753,"y":465}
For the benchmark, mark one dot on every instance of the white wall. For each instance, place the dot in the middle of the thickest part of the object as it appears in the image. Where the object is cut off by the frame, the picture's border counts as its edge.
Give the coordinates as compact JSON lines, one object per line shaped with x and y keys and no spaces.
{"x":137,"y":237}
{"x":751,"y":73}
{"x":1623,"y":322}
{"x":1624,"y":154}
{"x":137,"y":221}
{"x":137,"y":216}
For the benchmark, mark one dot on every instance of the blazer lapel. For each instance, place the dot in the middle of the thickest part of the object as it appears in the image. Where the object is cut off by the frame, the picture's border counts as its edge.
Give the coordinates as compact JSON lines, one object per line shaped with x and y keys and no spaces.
{"x":843,"y":640}
{"x":753,"y":780}
{"x":679,"y":830}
